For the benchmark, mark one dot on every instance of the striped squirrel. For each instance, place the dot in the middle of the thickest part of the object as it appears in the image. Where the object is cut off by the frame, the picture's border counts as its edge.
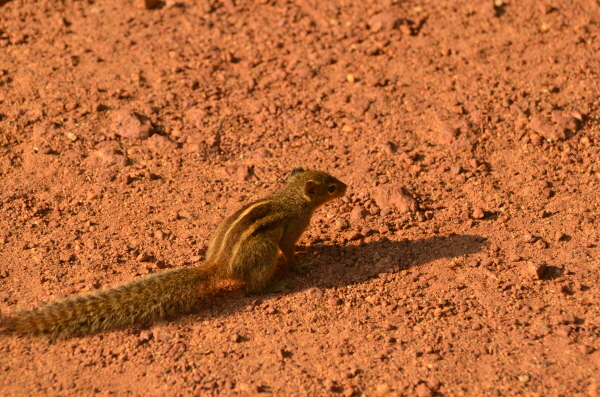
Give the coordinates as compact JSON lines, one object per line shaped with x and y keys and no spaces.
{"x":244,"y":247}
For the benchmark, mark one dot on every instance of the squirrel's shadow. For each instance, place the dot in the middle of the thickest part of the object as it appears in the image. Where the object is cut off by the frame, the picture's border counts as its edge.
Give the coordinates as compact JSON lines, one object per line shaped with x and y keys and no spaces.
{"x":339,"y":266}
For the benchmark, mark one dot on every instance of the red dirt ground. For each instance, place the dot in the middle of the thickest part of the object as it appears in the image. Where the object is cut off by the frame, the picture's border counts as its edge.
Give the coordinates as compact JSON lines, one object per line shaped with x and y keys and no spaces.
{"x":462,"y":262}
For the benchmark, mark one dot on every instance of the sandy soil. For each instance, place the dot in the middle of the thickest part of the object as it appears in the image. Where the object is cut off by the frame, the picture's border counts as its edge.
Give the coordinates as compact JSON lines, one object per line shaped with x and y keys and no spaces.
{"x":462,"y":262}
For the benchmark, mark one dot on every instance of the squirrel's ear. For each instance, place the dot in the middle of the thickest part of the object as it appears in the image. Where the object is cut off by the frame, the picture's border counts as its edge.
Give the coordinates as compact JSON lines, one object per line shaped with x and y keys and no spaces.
{"x":296,"y":171}
{"x":310,"y":188}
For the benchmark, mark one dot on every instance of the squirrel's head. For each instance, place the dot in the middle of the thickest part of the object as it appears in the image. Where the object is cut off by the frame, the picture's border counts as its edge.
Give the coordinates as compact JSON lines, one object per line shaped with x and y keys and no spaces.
{"x":318,"y":187}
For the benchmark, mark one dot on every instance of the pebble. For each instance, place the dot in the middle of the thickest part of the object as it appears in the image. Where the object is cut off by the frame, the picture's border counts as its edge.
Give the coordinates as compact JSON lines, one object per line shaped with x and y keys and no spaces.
{"x":334,"y":301}
{"x":341,"y":224}
{"x":476,"y":326}
{"x":236,"y":338}
{"x":145,"y":4}
{"x":145,"y":335}
{"x":350,"y":78}
{"x":356,"y":236}
{"x":487,"y":262}
{"x":558,"y":236}
{"x":386,"y":212}
{"x":66,"y":257}
{"x":514,"y":258}
{"x":536,"y":270}
{"x":529,"y":238}
{"x":374,"y":210}
{"x":314,"y":292}
{"x":455,"y":169}
{"x":540,"y":125}
{"x":127,"y":124}
{"x":367,"y":231}
{"x":45,"y":150}
{"x":446,"y":134}
{"x":358,"y":213}
{"x":563,"y":330}
{"x":395,"y":196}
{"x":478,"y":213}
{"x":423,"y":390}
{"x":585,"y":349}
{"x":329,"y":385}
{"x":541,"y":244}
{"x":143,"y":257}
{"x":567,"y":318}
{"x":383,"y":389}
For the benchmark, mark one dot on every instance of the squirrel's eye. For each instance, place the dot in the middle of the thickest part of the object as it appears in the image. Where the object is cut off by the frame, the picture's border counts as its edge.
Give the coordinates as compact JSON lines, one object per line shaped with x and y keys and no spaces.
{"x":331,"y":189}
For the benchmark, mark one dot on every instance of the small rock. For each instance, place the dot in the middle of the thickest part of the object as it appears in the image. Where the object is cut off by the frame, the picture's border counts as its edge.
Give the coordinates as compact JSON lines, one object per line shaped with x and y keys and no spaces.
{"x":145,"y":4}
{"x":236,"y":338}
{"x":383,"y":389}
{"x":446,"y":134}
{"x":541,"y":244}
{"x":144,"y":257}
{"x":476,"y":326}
{"x":334,"y":301}
{"x":394,"y":196}
{"x":514,"y":258}
{"x":529,"y":238}
{"x":455,"y":169}
{"x":566,"y":121}
{"x":66,"y":257}
{"x":161,"y":144}
{"x":358,"y":213}
{"x":329,"y":385}
{"x":558,"y":236}
{"x":563,"y":331}
{"x":145,"y":335}
{"x":423,"y":390}
{"x":524,"y":378}
{"x":367,"y":231}
{"x":478,"y":213}
{"x":585,"y":349}
{"x":45,"y":150}
{"x":239,"y":172}
{"x":536,"y":270}
{"x":540,"y":125}
{"x":341,"y":224}
{"x":356,"y":236}
{"x":314,"y":292}
{"x":383,"y":21}
{"x":486,"y":262}
{"x":131,"y":125}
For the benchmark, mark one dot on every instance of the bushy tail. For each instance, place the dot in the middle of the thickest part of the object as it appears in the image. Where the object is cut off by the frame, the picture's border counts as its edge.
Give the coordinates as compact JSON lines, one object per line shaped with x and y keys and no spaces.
{"x":141,"y":301}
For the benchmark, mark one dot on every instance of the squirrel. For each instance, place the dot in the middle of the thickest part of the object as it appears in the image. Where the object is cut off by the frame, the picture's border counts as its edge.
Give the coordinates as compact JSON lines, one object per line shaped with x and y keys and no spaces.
{"x":244,"y":247}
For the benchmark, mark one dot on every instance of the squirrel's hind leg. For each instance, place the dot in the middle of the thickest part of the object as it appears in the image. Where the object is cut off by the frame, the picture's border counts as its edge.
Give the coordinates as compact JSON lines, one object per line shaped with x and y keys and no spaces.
{"x":256,"y":263}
